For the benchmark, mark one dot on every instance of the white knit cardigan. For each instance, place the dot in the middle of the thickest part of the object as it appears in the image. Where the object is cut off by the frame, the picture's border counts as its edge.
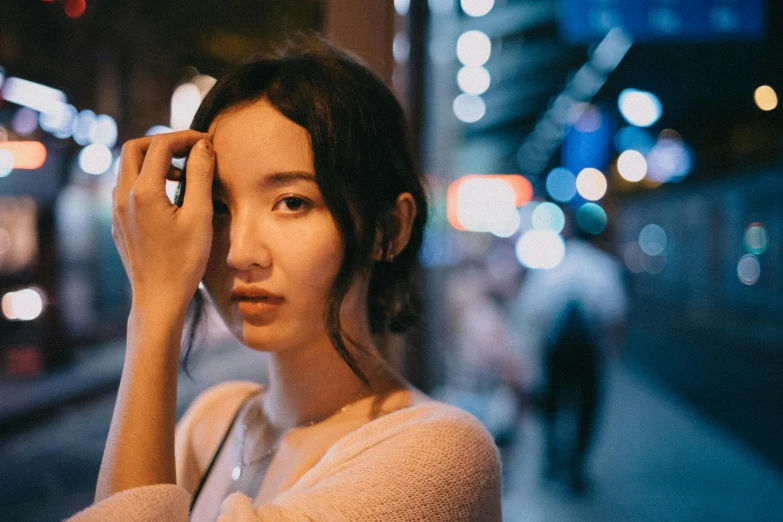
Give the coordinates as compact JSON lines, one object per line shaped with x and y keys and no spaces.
{"x":428,"y":462}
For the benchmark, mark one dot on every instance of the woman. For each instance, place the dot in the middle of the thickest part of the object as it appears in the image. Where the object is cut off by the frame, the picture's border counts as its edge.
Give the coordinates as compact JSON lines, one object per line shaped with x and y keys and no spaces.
{"x":302,"y":217}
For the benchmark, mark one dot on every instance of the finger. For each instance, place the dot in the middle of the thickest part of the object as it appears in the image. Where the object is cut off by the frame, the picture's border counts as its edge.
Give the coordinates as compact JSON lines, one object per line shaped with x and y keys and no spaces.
{"x":201,"y":166}
{"x":131,"y":159}
{"x":161,"y":149}
{"x":134,"y":152}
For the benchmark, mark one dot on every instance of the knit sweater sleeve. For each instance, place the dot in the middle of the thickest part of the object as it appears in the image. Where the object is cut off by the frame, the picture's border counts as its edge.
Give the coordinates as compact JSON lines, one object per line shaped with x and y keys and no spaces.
{"x":442,"y":465}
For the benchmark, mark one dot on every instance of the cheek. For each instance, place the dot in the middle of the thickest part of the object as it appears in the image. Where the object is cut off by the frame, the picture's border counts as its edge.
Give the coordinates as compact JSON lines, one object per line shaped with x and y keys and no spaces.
{"x":315,"y":259}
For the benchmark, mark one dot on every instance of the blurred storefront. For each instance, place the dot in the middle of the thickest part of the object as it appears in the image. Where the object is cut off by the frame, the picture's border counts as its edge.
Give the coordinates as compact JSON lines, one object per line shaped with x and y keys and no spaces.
{"x":651,"y":128}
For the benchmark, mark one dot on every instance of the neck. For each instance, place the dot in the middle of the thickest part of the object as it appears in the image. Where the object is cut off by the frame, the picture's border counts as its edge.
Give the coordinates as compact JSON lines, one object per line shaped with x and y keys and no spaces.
{"x":311,"y":383}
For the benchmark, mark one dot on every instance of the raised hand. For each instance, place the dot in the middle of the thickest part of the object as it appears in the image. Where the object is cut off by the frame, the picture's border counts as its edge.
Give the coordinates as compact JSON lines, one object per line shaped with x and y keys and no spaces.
{"x":163,"y":247}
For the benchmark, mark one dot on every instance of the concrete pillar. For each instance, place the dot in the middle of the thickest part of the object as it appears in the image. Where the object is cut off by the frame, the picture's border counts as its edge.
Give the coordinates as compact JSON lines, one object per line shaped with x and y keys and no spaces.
{"x":364,"y":27}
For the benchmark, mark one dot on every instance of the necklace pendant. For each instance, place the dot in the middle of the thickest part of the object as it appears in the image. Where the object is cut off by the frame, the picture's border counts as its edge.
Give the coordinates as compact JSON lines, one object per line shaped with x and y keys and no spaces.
{"x":236,"y":472}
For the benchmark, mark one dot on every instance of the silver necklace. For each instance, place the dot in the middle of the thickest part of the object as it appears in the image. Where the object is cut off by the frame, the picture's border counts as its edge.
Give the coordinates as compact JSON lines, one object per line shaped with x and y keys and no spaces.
{"x":236,"y":472}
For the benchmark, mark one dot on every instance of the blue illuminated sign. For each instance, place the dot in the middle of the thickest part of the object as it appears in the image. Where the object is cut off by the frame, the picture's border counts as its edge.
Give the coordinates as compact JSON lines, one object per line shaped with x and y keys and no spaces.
{"x":651,"y":20}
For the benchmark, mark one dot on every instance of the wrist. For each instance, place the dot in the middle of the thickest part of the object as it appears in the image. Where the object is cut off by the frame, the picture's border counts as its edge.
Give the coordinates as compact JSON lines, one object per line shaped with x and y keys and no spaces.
{"x":156,"y":326}
{"x":159,"y":308}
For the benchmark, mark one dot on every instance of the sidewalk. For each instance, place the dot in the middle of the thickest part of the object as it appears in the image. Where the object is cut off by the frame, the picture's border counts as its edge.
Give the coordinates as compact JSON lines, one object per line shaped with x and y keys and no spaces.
{"x":656,"y":459}
{"x":94,"y":371}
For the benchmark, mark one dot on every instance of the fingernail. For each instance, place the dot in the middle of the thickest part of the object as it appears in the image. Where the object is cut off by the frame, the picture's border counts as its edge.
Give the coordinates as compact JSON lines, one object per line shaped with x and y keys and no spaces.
{"x":205,"y":146}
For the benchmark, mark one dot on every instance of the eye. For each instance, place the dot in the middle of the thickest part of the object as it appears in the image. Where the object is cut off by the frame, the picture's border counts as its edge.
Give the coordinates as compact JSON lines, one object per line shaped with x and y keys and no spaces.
{"x":293,"y":203}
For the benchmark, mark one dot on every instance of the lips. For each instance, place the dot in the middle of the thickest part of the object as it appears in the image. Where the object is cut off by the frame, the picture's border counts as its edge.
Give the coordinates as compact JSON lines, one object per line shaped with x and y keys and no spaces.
{"x":253,"y":301}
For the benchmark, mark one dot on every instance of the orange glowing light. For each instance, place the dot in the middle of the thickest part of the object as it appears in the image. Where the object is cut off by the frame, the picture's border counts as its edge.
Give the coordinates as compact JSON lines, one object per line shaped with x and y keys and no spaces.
{"x":451,"y":205}
{"x":75,"y":8}
{"x":28,"y":155}
{"x":521,"y":185}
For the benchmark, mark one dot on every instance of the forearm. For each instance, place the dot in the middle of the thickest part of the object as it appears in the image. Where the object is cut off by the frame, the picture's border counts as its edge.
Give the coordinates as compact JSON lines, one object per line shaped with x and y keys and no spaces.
{"x":140,"y":446}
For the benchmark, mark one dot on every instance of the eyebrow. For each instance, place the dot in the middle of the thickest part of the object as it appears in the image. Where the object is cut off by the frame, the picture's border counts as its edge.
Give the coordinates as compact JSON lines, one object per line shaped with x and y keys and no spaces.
{"x":275,"y":179}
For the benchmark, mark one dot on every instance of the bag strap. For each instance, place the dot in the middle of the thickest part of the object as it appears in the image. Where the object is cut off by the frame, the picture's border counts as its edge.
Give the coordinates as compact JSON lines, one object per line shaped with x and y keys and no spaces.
{"x":217,"y":452}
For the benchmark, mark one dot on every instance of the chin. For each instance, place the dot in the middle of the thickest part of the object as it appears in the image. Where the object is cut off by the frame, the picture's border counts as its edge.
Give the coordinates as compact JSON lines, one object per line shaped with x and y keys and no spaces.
{"x":257,"y":340}
{"x":265,"y":338}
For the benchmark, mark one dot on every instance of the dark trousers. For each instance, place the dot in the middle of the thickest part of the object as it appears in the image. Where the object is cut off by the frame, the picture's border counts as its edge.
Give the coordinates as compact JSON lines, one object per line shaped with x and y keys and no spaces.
{"x":572,"y":393}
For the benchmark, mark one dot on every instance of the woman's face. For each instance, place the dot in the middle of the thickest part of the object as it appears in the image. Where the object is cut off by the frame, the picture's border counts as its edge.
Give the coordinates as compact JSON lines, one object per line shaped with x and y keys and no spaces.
{"x":276,"y":249}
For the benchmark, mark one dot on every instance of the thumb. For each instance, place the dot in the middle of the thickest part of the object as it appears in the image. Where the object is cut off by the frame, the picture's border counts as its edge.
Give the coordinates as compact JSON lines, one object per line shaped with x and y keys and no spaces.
{"x":201,"y":166}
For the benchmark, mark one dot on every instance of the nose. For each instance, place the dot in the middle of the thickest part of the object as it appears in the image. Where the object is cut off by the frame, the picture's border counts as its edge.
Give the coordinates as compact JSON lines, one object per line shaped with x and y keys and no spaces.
{"x":247,"y":248}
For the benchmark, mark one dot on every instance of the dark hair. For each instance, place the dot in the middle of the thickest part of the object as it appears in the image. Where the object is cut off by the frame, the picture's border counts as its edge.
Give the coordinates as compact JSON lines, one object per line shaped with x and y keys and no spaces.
{"x":363,"y":160}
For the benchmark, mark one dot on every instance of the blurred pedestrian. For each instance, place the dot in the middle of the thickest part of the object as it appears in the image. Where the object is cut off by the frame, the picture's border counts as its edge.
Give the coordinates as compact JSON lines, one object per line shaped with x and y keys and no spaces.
{"x":570,"y":317}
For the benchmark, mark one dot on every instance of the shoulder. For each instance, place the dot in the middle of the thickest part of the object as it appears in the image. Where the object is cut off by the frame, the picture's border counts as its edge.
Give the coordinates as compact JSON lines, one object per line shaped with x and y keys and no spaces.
{"x":425,"y":435}
{"x":459,"y":433}
{"x":431,"y":461}
{"x":435,"y":417}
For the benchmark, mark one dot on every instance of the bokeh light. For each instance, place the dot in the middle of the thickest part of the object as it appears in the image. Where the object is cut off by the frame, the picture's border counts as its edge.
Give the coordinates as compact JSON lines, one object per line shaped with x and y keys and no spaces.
{"x":507,"y":226}
{"x":591,"y":184}
{"x":749,"y":269}
{"x":766,"y":98}
{"x":669,"y":160}
{"x":585,"y":117}
{"x":184,"y":104}
{"x":654,"y":264}
{"x":30,"y":94}
{"x":756,"y":238}
{"x":84,"y":127}
{"x":632,"y":166}
{"x":526,"y":216}
{"x":29,"y":155}
{"x":473,"y":48}
{"x":104,"y":131}
{"x":469,"y":108}
{"x":402,"y":6}
{"x":633,"y":138}
{"x":639,"y":108}
{"x":591,"y":218}
{"x":401,"y":47}
{"x":652,"y":240}
{"x":633,"y":257}
{"x":540,"y":249}
{"x":561,"y":185}
{"x":477,"y":8}
{"x":25,"y":121}
{"x":95,"y":159}
{"x":483,"y":204}
{"x":75,"y":8}
{"x":23,"y":305}
{"x":548,"y":216}
{"x":204,"y":82}
{"x":473,"y":79}
{"x":158,"y":129}
{"x":522,"y":187}
{"x":60,"y":121}
{"x":6,"y":162}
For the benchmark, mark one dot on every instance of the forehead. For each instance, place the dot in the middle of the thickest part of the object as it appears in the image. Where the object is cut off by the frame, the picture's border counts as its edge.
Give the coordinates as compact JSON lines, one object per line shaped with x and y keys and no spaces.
{"x":257,"y":140}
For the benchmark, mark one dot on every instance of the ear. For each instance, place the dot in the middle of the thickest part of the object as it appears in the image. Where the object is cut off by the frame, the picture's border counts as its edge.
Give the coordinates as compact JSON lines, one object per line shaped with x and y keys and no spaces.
{"x":404,"y":213}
